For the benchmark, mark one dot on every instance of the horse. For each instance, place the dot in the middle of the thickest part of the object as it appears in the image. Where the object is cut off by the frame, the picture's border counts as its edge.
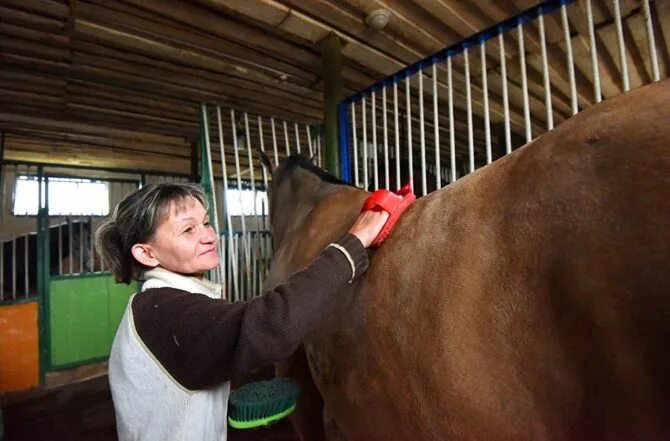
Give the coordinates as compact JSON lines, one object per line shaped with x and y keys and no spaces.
{"x":529,"y":300}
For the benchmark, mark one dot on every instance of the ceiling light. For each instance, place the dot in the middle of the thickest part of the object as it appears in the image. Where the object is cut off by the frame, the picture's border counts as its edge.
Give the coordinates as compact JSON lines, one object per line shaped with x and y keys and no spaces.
{"x":378,"y":19}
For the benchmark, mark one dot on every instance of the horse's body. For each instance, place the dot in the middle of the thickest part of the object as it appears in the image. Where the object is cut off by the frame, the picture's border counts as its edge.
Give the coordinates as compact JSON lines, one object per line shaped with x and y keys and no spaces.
{"x":529,"y":300}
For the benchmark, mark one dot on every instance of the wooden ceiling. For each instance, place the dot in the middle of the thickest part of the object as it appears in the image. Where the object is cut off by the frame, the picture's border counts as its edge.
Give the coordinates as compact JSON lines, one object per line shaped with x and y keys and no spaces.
{"x":117,"y":83}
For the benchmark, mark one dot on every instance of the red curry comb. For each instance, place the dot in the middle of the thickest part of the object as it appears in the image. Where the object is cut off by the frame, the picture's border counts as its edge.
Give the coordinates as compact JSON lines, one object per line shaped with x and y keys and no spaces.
{"x":394,"y":204}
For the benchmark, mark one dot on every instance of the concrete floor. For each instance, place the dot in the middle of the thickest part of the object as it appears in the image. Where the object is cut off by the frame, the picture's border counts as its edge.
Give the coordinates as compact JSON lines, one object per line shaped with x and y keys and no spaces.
{"x":84,"y":411}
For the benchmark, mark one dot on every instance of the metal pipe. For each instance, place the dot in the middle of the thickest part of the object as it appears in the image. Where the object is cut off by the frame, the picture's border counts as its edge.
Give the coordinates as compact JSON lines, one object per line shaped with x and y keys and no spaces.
{"x":436,"y":133}
{"x":387,"y":183}
{"x":397,"y":134}
{"x":409,"y":133}
{"x":422,"y":136}
{"x":309,"y":141}
{"x":13,"y":268}
{"x":524,"y":84}
{"x":375,"y":162}
{"x":274,"y":141}
{"x":595,"y":71}
{"x":487,"y":118}
{"x":254,"y":210}
{"x":570,"y":61}
{"x":622,"y":47}
{"x":212,"y":182}
{"x":653,"y":57}
{"x":81,"y":246}
{"x":503,"y":73}
{"x":365,"y":143}
{"x":288,"y":148}
{"x":70,"y":245}
{"x":452,"y":134}
{"x":545,"y":75}
{"x":468,"y":94}
{"x":26,"y":265}
{"x":60,"y":248}
{"x":90,"y":243}
{"x":297,"y":136}
{"x":247,"y":251}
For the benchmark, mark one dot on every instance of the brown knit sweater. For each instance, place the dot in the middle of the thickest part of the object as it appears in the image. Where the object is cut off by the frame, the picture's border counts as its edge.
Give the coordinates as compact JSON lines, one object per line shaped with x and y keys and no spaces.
{"x":202,"y":341}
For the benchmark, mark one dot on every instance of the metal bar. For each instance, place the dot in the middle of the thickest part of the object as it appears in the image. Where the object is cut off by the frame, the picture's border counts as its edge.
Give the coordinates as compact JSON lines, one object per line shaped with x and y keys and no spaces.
{"x":422,"y":137}
{"x":468,"y":94}
{"x":355,"y":139}
{"x":297,"y":136}
{"x":570,"y":61}
{"x":436,"y":133}
{"x":288,"y":147}
{"x":409,"y":134}
{"x":524,"y":84}
{"x":309,"y":142}
{"x":60,"y":249}
{"x":397,"y":135}
{"x":254,"y":210}
{"x":545,"y":75}
{"x":365,"y":144}
{"x":653,"y":57}
{"x":503,"y":73}
{"x":70,"y":245}
{"x":247,"y":251}
{"x":13,"y":268}
{"x":387,"y":180}
{"x":26,"y":265}
{"x":487,"y":118}
{"x":595,"y":71}
{"x":81,"y":246}
{"x":226,"y":208}
{"x":264,"y":208}
{"x":274,"y":141}
{"x":452,"y":134}
{"x":212,"y":183}
{"x":90,"y":243}
{"x":375,"y":164}
{"x":622,"y":47}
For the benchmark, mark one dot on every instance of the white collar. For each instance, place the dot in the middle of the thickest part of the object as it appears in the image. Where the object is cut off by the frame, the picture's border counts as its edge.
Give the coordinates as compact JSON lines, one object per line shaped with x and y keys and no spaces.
{"x":161,"y":278}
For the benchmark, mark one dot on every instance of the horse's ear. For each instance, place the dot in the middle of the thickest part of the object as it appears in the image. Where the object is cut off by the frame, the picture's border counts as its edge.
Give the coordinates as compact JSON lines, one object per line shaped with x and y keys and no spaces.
{"x":312,"y":159}
{"x":264,"y":159}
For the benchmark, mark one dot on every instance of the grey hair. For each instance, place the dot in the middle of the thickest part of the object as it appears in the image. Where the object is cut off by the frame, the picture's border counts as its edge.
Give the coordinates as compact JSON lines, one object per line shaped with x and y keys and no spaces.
{"x":135,"y":220}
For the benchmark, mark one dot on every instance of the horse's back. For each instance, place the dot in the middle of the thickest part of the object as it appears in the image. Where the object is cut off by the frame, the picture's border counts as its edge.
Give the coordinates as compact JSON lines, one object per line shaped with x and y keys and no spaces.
{"x":529,"y":300}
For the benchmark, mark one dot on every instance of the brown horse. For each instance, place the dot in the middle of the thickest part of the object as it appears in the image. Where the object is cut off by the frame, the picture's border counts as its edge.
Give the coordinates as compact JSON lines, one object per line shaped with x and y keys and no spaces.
{"x":529,"y":300}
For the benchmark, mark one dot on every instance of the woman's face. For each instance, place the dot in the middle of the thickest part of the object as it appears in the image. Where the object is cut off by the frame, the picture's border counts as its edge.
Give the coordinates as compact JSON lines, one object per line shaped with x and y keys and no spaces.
{"x":185,"y":243}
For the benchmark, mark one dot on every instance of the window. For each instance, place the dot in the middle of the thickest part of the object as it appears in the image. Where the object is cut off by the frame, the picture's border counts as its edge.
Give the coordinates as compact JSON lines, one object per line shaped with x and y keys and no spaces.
{"x":67,"y":197}
{"x":236,"y":208}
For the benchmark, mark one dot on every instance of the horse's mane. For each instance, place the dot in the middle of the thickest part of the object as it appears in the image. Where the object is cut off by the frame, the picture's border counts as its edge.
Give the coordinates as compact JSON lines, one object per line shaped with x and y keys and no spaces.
{"x":297,"y":160}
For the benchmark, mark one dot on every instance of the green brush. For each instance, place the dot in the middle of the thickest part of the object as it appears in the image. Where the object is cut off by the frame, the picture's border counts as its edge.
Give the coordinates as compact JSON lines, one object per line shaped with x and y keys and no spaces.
{"x":262,"y":403}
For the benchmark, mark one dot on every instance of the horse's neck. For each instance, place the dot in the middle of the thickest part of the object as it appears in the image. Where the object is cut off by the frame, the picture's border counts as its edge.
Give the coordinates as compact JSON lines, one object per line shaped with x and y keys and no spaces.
{"x":317,"y":223}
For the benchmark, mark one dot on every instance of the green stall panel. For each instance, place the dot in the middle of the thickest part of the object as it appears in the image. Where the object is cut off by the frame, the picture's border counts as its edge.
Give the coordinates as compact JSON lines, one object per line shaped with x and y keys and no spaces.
{"x":84,"y":313}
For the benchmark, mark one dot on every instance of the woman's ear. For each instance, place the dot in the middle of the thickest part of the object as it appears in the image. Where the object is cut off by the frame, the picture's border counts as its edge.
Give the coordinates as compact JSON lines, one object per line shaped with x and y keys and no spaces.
{"x":144,"y":254}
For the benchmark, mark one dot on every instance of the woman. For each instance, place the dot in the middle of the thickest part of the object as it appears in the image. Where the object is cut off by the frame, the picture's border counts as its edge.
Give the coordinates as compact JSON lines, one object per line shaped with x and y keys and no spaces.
{"x":178,"y":344}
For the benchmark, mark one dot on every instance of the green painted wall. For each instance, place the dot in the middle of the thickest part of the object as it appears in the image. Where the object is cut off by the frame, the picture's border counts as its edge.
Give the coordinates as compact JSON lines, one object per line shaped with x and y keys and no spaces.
{"x":84,"y":314}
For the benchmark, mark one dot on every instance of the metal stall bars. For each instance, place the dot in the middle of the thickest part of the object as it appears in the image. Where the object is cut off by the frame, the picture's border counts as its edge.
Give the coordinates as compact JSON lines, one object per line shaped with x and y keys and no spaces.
{"x":246,"y":242}
{"x":483,"y":109}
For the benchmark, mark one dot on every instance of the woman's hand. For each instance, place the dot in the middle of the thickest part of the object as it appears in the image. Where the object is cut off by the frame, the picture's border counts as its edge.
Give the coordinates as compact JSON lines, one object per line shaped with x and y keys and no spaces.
{"x":368,"y":225}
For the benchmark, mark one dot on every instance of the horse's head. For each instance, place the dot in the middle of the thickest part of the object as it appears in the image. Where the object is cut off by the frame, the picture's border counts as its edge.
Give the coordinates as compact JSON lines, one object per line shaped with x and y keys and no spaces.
{"x":296,"y":188}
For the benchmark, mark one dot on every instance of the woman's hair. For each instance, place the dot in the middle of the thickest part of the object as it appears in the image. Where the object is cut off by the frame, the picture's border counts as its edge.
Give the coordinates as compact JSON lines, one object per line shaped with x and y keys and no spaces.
{"x":135,"y":220}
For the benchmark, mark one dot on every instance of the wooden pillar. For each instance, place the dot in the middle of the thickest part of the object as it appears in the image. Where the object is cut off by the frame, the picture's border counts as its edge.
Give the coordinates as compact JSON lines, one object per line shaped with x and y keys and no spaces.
{"x":331,"y":72}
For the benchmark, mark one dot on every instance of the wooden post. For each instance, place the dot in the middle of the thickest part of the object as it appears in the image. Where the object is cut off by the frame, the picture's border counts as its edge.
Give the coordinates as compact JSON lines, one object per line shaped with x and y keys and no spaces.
{"x":331,"y":72}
